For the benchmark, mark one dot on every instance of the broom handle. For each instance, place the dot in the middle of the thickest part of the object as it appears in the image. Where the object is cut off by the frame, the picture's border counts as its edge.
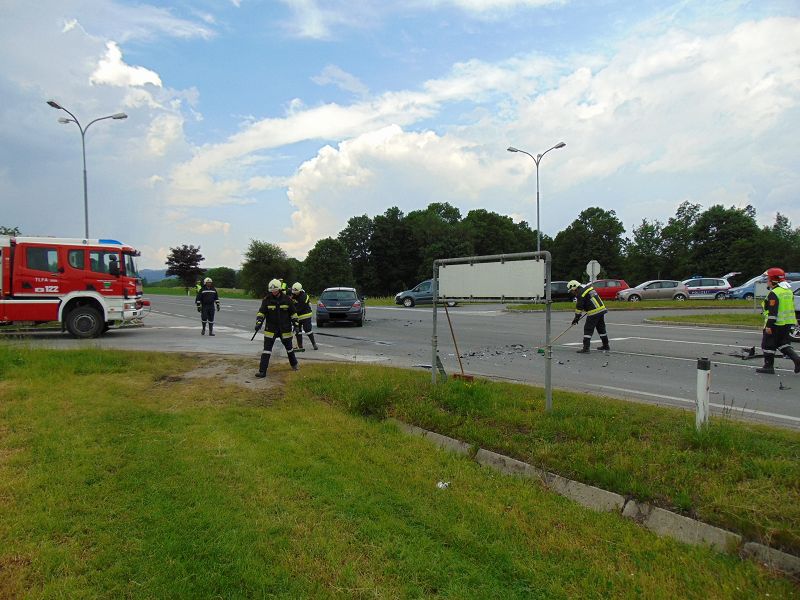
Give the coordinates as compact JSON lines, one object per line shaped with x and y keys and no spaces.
{"x":452,"y":333}
{"x":565,"y":331}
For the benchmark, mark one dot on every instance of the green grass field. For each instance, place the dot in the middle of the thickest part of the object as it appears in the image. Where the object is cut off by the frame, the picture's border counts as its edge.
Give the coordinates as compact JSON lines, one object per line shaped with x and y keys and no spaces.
{"x":749,"y":320}
{"x":121,"y":477}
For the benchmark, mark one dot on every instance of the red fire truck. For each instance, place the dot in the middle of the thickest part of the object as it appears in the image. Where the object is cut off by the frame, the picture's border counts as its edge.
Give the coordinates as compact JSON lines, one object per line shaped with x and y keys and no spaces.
{"x":86,"y":285}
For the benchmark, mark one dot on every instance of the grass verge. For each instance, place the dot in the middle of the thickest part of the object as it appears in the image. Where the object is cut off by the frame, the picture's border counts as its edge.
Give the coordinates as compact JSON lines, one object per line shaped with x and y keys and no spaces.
{"x":739,"y":319}
{"x":738,"y":476}
{"x":644,"y":305}
{"x":121,"y":478}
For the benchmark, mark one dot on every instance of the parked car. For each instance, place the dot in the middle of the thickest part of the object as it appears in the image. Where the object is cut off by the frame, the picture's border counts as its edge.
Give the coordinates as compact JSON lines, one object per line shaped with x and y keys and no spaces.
{"x":608,"y":289}
{"x":340,"y":305}
{"x":559,"y":291}
{"x":746,"y":291}
{"x":421,"y":294}
{"x":707,"y":287}
{"x":661,"y":289}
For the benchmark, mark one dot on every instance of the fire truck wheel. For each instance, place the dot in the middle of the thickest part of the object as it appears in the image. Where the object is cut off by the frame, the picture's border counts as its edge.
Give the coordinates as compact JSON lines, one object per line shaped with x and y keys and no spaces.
{"x":85,"y":322}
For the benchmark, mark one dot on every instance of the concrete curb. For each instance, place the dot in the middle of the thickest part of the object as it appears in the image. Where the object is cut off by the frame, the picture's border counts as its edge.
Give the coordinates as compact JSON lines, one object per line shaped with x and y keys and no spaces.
{"x":724,"y":325}
{"x":683,"y":529}
{"x":773,"y":559}
{"x":658,"y":520}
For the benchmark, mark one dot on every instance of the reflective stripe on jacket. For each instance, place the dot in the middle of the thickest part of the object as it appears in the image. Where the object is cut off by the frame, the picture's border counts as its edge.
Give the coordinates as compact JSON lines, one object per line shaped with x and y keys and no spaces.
{"x":303,"y":305}
{"x":589,"y":301}
{"x":277,"y":313}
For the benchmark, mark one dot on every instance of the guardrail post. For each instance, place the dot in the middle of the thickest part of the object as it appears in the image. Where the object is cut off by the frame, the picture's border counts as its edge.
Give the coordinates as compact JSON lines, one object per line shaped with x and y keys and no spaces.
{"x":703,"y":388}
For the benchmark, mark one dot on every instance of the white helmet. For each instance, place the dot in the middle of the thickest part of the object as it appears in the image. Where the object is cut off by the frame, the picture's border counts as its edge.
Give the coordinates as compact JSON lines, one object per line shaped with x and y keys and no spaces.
{"x":573,"y":285}
{"x":207,"y":280}
{"x":297,"y":287}
{"x":275,"y":284}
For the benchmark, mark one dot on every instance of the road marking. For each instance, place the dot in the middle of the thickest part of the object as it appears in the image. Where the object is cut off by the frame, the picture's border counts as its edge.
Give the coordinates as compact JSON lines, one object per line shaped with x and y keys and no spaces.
{"x":679,"y":327}
{"x":721,"y":406}
{"x":429,"y":310}
{"x":609,"y":339}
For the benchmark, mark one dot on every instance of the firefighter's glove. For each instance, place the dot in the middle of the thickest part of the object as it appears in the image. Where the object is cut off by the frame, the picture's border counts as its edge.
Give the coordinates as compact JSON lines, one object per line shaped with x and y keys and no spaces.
{"x":259,"y":322}
{"x":199,"y":309}
{"x":576,"y":319}
{"x":218,"y":306}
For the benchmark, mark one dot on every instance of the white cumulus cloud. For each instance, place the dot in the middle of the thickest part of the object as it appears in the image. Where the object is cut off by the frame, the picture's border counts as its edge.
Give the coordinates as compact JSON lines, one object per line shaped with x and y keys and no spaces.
{"x":112,"y":70}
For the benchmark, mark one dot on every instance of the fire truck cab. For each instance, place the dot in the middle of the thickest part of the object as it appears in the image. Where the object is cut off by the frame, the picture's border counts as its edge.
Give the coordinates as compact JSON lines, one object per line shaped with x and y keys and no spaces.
{"x":86,"y":285}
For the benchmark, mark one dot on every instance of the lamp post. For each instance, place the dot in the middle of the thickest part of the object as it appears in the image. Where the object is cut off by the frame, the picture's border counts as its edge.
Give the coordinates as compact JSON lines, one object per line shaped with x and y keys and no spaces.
{"x":537,"y":159}
{"x":74,"y":119}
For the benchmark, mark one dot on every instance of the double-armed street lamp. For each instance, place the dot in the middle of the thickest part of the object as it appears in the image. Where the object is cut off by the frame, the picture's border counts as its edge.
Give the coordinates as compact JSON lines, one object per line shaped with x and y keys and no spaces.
{"x":537,"y":159}
{"x":74,"y":119}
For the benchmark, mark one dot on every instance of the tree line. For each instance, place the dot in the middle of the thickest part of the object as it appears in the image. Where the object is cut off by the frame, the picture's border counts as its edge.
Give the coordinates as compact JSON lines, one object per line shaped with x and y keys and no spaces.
{"x":388,"y":253}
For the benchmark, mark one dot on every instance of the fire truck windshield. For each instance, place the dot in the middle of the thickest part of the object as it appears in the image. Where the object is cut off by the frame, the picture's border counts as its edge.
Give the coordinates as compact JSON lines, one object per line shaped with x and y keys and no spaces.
{"x":130,"y":266}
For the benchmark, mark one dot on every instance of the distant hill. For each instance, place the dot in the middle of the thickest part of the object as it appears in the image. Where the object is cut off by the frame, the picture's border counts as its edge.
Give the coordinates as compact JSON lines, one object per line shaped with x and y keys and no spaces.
{"x":153,"y":275}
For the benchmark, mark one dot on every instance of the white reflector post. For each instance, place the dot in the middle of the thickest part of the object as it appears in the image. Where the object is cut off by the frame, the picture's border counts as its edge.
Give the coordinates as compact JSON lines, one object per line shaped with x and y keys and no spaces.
{"x":703,"y":388}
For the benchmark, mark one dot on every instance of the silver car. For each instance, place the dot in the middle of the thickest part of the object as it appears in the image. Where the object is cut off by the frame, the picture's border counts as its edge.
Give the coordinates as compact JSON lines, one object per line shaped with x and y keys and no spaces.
{"x":656,"y":289}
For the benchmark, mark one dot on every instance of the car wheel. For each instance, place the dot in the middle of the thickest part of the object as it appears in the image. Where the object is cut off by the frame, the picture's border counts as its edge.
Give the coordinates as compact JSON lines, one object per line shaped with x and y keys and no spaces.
{"x":634,"y":298}
{"x":408,"y":302}
{"x":719,"y":296}
{"x":360,"y":323}
{"x":749,"y":296}
{"x":794,"y":333}
{"x":85,"y":322}
{"x":679,"y":297}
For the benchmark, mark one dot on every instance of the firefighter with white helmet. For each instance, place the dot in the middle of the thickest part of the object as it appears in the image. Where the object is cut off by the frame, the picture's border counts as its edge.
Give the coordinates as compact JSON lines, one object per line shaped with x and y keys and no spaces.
{"x":778,"y":311}
{"x":207,"y":301}
{"x":304,"y":314}
{"x":277,"y":314}
{"x":588,"y":301}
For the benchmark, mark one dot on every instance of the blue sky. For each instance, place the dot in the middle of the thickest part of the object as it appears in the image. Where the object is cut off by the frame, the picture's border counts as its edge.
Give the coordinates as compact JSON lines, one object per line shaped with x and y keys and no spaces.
{"x":278,"y":120}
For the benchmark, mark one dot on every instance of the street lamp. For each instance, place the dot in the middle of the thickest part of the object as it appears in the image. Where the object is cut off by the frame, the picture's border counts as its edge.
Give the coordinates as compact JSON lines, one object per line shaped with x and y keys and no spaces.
{"x":74,"y":119}
{"x":537,"y":159}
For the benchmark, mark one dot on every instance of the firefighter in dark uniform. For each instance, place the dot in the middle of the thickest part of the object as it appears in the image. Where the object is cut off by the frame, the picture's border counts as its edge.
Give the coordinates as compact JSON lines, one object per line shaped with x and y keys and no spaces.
{"x":778,"y":311}
{"x":589,"y":302}
{"x":304,"y":315}
{"x":277,"y":314}
{"x":207,"y":300}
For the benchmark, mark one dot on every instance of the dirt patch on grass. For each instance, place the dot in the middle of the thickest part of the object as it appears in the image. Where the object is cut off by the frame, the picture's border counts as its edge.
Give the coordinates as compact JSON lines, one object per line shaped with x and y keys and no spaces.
{"x":237,"y":371}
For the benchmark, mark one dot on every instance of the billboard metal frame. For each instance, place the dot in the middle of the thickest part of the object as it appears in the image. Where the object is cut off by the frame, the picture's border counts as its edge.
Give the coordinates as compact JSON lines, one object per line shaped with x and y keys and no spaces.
{"x":548,"y":301}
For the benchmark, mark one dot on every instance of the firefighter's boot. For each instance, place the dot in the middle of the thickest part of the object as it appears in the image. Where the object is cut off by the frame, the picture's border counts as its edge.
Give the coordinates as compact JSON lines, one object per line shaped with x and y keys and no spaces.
{"x":585,"y":349}
{"x":262,"y":366}
{"x":313,"y":343}
{"x":604,"y":346}
{"x":299,"y":338}
{"x":293,"y":362}
{"x":203,"y":330}
{"x":790,"y":353}
{"x":211,"y":329}
{"x":769,"y":365}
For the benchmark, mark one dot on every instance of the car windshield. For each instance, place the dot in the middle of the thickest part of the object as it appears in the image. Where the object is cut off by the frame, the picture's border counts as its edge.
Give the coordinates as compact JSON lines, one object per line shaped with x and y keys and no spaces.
{"x":338,"y":295}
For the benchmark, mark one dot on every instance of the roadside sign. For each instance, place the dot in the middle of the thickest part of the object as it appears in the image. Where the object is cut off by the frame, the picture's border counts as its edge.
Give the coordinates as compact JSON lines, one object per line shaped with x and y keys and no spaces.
{"x":593,"y":269}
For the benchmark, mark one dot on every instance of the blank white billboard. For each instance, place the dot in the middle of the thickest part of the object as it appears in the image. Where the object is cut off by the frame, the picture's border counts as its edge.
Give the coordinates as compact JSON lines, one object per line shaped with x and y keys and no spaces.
{"x":510,"y":279}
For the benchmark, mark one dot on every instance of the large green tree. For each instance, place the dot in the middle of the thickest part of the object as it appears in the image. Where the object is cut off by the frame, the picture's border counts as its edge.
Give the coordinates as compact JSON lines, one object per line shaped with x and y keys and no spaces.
{"x":595,"y":235}
{"x":645,"y":253}
{"x":184,"y":263}
{"x":356,"y":238}
{"x":327,"y":265}
{"x":223,"y":277}
{"x":12,"y":231}
{"x":726,"y":239}
{"x":436,"y":235}
{"x":678,"y":236}
{"x":393,"y":254}
{"x":263,"y":262}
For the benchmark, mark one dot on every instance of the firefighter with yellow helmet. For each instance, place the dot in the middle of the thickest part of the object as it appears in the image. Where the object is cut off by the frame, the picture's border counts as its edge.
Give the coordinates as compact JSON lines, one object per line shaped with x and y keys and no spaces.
{"x":278,"y":315}
{"x":589,"y":301}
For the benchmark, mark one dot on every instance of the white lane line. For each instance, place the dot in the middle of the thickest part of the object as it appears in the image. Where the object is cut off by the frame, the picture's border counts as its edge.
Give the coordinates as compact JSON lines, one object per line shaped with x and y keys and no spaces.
{"x":721,"y":406}
{"x":714,"y":359}
{"x":609,"y":339}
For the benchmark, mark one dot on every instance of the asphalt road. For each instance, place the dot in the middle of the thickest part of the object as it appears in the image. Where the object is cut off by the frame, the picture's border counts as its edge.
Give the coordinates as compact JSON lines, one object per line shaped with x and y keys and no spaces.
{"x":648,"y":362}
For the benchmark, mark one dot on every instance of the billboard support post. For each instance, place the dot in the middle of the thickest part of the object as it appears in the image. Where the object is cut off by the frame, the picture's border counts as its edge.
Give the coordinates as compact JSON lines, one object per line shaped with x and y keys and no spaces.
{"x":514,"y":286}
